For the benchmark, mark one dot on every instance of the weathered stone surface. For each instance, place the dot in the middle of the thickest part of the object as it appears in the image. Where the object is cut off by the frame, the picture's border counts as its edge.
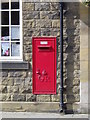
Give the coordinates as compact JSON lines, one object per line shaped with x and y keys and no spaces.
{"x":17,"y":97}
{"x":17,"y":74}
{"x":56,"y":32}
{"x":76,"y":82}
{"x":73,"y":98}
{"x":72,"y":25}
{"x":13,"y":89}
{"x":25,"y":89}
{"x":43,"y":98}
{"x":27,"y":56}
{"x":43,"y":23}
{"x":27,"y":40}
{"x":18,"y":81}
{"x":31,"y":15}
{"x":45,"y":32}
{"x":28,"y":6}
{"x":31,"y":97}
{"x":30,"y":107}
{"x":28,"y":81}
{"x":42,"y":6}
{"x":55,"y":6}
{"x":10,"y":81}
{"x":56,"y":98}
{"x":55,"y":23}
{"x":4,"y":81}
{"x":3,"y":89}
{"x":49,"y":15}
{"x":32,"y":32}
{"x":27,"y":48}
{"x":76,"y":90}
{"x":5,"y":97}
{"x":4,"y":74}
{"x":29,"y":23}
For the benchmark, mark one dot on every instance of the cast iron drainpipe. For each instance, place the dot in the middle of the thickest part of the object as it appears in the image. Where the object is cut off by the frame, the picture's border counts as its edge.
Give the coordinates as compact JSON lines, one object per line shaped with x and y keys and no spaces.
{"x":61,"y":58}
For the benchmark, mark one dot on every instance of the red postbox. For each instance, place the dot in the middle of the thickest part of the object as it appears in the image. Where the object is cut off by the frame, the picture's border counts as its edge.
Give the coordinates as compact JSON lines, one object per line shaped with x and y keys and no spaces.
{"x":44,"y":65}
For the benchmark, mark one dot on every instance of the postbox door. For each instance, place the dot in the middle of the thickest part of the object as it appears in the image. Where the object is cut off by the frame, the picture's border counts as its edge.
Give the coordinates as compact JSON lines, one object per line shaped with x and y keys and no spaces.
{"x":44,"y":65}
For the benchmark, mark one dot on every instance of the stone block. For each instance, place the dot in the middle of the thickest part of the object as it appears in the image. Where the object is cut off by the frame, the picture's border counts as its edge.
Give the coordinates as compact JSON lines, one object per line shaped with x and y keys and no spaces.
{"x":17,"y":74}
{"x":29,"y":74}
{"x":45,"y":32}
{"x":30,"y":107}
{"x":10,"y":81}
{"x":25,"y":89}
{"x":27,"y":40}
{"x":18,"y":81}
{"x":73,"y":98}
{"x":4,"y":74}
{"x":28,"y":81}
{"x":27,"y":48}
{"x":72,"y":90}
{"x":56,"y":98}
{"x":55,"y":6}
{"x":43,"y":98}
{"x":3,"y":89}
{"x":42,"y":6}
{"x":56,"y":23}
{"x":30,"y":97}
{"x":29,"y":23}
{"x":28,"y":15}
{"x":18,"y":97}
{"x":32,"y":32}
{"x":76,"y":90}
{"x":3,"y":80}
{"x":76,"y":82}
{"x":12,"y":89}
{"x":43,"y":23}
{"x":5,"y":97}
{"x":28,"y":6}
{"x":55,"y":32}
{"x":49,"y":15}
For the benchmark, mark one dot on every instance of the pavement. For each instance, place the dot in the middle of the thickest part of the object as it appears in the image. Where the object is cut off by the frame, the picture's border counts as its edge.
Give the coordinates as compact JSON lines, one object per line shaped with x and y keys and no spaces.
{"x":41,"y":115}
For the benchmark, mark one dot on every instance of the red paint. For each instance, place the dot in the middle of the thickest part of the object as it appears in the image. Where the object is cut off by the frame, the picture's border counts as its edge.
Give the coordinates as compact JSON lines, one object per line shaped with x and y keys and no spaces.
{"x":44,"y":65}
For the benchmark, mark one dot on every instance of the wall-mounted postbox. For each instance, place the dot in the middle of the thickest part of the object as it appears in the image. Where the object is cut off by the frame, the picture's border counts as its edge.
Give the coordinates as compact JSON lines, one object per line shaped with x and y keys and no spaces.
{"x":44,"y":65}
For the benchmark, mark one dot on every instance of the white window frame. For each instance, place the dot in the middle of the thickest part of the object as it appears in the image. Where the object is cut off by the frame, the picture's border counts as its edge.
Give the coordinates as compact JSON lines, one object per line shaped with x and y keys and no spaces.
{"x":12,"y":58}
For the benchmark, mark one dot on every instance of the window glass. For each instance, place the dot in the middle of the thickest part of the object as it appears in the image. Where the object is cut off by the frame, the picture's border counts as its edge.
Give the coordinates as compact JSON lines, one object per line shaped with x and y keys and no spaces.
{"x":15,"y":17}
{"x":5,"y":49}
{"x":5,"y":33}
{"x":15,"y":49}
{"x":14,"y":5}
{"x":15,"y":33}
{"x":5,"y":18}
{"x":4,"y":4}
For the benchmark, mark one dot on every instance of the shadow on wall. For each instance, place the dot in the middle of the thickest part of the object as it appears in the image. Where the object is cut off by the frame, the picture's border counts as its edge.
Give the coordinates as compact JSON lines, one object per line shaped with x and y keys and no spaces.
{"x":71,"y":54}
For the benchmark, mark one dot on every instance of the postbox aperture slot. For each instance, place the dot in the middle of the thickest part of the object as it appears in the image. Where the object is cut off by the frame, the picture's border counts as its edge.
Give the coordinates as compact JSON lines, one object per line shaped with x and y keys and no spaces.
{"x":43,"y":48}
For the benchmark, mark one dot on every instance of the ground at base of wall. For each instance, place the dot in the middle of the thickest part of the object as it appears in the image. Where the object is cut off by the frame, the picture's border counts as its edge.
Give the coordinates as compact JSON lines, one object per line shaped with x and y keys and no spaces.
{"x":41,"y":115}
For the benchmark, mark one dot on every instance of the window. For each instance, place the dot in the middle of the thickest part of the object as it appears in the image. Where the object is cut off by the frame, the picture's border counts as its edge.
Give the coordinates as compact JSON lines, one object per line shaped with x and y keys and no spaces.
{"x":10,"y":30}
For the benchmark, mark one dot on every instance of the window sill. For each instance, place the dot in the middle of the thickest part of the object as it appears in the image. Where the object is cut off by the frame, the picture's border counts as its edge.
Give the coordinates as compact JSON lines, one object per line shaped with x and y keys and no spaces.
{"x":14,"y":65}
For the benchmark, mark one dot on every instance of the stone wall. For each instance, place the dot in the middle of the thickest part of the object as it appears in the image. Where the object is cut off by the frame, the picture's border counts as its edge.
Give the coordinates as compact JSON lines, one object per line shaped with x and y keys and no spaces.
{"x":43,"y":19}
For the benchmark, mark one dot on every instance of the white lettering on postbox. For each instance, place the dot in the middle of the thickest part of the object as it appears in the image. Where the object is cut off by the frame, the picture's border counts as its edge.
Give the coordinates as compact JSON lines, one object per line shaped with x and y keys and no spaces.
{"x":43,"y":42}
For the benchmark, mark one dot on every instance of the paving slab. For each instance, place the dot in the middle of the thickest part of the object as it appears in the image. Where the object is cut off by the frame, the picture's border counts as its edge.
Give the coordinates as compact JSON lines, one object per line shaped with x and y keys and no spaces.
{"x":40,"y":115}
